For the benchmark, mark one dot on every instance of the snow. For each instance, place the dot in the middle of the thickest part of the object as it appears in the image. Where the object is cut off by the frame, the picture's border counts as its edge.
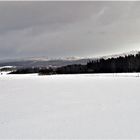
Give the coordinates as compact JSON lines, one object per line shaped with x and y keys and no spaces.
{"x":70,"y":106}
{"x":7,"y":67}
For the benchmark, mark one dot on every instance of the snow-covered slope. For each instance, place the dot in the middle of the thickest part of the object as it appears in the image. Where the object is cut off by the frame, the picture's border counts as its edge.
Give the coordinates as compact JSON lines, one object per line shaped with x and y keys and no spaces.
{"x":121,"y":54}
{"x":70,"y":106}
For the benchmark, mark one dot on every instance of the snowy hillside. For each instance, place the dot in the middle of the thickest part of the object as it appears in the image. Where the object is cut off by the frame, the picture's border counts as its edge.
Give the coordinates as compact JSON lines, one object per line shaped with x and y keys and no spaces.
{"x":69,"y":106}
{"x":121,"y":54}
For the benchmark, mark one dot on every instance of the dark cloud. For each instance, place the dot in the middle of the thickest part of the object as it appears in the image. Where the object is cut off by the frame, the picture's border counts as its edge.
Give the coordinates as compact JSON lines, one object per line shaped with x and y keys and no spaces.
{"x":63,"y":29}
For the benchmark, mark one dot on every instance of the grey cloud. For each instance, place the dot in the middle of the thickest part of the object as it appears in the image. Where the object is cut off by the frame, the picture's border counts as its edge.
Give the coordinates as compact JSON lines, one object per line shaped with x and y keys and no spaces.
{"x":63,"y":29}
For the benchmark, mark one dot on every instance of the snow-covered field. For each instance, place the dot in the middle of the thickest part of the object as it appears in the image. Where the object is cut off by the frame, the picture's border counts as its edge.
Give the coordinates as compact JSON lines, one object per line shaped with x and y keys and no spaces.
{"x":70,"y":106}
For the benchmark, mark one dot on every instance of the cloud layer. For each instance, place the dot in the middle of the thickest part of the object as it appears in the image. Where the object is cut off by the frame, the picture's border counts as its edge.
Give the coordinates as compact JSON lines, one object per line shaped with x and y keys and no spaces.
{"x":64,"y":29}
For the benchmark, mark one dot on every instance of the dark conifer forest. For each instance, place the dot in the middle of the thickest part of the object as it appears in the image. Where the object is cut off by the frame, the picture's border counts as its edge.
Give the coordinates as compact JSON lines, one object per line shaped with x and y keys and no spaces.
{"x":130,"y":63}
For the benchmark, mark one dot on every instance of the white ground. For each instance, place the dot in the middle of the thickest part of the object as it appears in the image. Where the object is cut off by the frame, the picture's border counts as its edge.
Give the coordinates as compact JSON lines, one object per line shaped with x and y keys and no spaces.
{"x":70,"y":106}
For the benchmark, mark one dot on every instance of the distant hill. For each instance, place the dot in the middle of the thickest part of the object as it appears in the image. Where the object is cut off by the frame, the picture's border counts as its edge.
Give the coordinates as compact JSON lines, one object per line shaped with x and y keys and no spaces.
{"x":43,"y":63}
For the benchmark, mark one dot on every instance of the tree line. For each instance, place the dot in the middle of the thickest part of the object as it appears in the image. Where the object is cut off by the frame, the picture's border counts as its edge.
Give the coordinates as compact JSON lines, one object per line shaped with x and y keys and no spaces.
{"x":128,"y":63}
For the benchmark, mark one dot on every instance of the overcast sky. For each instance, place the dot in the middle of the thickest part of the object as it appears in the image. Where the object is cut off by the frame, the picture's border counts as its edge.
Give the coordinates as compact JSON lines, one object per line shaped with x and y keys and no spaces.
{"x":66,"y":29}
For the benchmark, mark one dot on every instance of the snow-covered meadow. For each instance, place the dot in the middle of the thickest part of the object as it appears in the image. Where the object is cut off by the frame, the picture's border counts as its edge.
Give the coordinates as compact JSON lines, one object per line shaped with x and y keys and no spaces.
{"x":70,"y":106}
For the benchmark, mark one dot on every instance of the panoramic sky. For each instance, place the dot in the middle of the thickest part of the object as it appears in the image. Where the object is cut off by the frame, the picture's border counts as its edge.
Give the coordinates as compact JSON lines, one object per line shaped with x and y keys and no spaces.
{"x":67,"y":29}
